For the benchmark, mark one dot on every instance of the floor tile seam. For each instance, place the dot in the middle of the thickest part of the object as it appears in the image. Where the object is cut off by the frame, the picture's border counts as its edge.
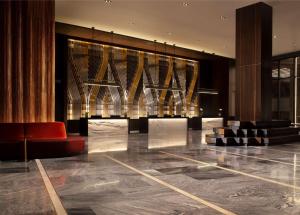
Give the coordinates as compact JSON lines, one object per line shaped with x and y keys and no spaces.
{"x":253,"y":157}
{"x":268,"y":149}
{"x":174,"y":188}
{"x":55,"y":200}
{"x":237,"y":172}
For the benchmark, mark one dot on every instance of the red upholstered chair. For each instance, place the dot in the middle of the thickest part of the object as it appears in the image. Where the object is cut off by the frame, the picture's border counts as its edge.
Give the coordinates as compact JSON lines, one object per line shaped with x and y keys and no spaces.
{"x":50,"y":140}
{"x":11,"y":141}
{"x":75,"y":145}
{"x":45,"y":131}
{"x":44,"y":140}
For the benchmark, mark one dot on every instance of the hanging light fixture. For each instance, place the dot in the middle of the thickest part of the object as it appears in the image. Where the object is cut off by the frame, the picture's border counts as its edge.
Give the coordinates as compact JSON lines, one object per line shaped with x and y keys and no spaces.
{"x":102,"y":83}
{"x":207,"y":91}
{"x":157,"y":86}
{"x":154,"y":86}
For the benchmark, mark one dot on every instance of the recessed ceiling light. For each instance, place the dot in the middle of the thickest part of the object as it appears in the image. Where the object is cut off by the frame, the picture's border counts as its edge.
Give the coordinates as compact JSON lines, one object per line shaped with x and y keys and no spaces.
{"x":108,"y":1}
{"x":223,"y":18}
{"x":185,"y":4}
{"x":275,"y":36}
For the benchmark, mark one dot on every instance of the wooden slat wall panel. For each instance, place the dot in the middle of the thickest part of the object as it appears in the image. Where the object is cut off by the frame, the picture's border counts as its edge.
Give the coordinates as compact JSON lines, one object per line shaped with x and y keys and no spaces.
{"x":5,"y":62}
{"x":132,"y":42}
{"x":253,"y":62}
{"x":27,"y":61}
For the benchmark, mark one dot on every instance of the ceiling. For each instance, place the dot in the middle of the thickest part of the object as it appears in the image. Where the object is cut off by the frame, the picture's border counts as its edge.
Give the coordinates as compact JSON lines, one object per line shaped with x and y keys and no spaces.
{"x":207,"y":25}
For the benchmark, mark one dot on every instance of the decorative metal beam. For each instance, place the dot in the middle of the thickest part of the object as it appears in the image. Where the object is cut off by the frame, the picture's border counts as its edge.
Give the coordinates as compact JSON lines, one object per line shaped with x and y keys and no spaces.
{"x":94,"y":90}
{"x":191,"y":88}
{"x":136,"y":79}
{"x":166,"y":84}
{"x":100,"y":74}
{"x":75,"y":71}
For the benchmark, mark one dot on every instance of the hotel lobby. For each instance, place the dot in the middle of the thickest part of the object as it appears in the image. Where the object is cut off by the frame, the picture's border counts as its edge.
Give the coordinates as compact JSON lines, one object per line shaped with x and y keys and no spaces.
{"x":149,"y":107}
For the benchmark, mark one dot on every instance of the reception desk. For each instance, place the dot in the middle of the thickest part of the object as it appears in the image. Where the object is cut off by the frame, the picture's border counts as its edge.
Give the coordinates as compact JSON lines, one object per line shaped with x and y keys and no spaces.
{"x":111,"y":134}
{"x":213,"y":122}
{"x":166,"y":132}
{"x":107,"y":135}
{"x":208,"y":124}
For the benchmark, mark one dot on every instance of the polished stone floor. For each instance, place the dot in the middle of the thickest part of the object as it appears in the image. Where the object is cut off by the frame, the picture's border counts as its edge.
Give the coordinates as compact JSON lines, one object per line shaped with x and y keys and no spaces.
{"x":194,"y":178}
{"x":22,"y":190}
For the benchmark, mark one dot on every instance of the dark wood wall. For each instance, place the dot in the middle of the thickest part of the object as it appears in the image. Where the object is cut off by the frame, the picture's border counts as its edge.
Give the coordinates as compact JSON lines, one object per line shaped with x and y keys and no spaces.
{"x":27,"y":61}
{"x":253,"y":62}
{"x":214,"y":75}
{"x":61,"y":78}
{"x":83,"y":33}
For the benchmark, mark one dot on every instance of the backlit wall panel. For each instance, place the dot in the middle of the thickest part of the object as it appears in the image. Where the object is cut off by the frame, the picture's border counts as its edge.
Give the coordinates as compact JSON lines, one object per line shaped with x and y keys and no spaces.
{"x":133,"y":71}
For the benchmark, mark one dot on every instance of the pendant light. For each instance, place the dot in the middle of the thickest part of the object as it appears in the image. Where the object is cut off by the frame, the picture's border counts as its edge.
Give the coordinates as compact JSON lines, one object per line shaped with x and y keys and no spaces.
{"x":102,"y":83}
{"x":157,"y":86}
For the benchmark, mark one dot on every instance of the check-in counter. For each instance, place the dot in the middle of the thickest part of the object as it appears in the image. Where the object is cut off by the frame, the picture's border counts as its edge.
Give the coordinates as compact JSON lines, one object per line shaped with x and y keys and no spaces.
{"x":166,"y":132}
{"x":208,"y":124}
{"x":111,"y":134}
{"x":107,"y":135}
{"x":213,"y":122}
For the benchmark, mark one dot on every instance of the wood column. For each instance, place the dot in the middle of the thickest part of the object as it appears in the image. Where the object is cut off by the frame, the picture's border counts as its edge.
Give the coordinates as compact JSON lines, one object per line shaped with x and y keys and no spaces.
{"x":253,"y":62}
{"x":27,"y":61}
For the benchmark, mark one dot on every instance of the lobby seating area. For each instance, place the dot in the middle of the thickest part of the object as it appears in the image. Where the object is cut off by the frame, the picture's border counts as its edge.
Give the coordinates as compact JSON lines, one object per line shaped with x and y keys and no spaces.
{"x":37,"y":140}
{"x":111,"y":107}
{"x":254,"y":133}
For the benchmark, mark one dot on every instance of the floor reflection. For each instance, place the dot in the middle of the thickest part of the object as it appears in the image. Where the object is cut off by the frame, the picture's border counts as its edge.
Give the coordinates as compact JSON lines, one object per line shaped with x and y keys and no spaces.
{"x":244,"y":180}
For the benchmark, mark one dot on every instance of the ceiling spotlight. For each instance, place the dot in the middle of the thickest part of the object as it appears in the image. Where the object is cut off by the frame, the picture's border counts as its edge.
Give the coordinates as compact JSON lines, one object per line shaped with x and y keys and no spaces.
{"x":108,"y":1}
{"x":275,"y":36}
{"x":185,"y":4}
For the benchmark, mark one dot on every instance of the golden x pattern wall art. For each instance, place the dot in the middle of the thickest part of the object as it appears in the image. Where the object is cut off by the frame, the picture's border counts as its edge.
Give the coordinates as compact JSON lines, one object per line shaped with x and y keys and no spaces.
{"x":110,"y":81}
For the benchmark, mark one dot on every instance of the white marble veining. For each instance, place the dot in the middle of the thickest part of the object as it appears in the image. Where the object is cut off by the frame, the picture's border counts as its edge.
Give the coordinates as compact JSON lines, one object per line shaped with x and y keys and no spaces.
{"x":210,"y":123}
{"x":107,"y":135}
{"x":93,"y":184}
{"x":165,"y":132}
{"x":22,"y":190}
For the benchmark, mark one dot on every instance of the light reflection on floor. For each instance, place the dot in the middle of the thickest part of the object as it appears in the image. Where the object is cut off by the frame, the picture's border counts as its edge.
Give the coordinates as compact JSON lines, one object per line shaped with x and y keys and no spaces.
{"x":93,"y":184}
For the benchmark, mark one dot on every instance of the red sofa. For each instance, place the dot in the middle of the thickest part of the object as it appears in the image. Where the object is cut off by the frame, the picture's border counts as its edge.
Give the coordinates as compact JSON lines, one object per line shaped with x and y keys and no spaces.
{"x":44,"y":140}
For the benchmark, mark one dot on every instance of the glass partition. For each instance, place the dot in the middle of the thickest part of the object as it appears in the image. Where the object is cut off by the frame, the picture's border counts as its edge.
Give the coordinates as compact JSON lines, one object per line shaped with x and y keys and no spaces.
{"x":286,"y":89}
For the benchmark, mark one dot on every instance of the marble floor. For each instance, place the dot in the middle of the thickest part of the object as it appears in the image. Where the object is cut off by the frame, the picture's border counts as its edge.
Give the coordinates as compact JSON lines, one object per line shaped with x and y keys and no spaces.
{"x":191,"y":178}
